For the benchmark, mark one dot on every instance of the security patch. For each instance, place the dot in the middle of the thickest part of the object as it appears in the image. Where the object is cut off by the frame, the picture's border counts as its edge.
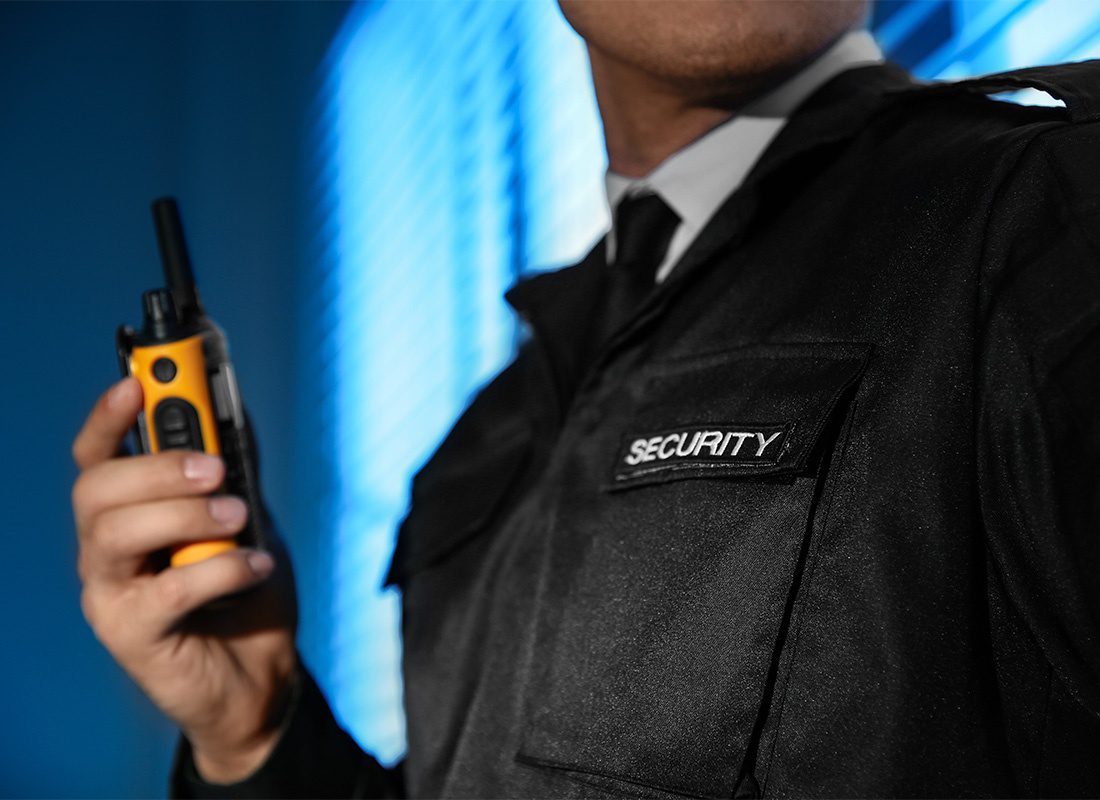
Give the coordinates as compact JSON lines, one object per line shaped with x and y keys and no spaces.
{"x":700,"y":447}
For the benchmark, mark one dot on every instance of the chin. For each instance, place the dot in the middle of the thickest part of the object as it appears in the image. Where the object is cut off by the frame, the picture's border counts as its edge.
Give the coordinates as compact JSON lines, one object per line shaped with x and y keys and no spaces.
{"x":711,"y":42}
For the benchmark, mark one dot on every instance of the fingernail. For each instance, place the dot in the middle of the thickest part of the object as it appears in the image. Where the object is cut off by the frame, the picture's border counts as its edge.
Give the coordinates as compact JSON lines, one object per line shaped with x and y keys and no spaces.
{"x":227,"y":510}
{"x":201,"y":468}
{"x":261,"y":563}
{"x":118,"y":393}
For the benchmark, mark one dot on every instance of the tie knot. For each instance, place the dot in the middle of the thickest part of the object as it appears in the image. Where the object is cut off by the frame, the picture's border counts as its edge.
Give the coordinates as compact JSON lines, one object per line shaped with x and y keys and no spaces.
{"x":644,"y":225}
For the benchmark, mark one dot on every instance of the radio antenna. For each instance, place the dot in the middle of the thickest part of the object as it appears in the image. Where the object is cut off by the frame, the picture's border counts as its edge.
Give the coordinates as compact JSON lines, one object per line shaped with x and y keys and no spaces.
{"x":174,"y":256}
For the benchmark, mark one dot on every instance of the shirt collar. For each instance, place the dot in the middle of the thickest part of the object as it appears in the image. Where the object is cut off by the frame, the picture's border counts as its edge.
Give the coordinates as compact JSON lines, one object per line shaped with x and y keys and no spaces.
{"x":696,"y":179}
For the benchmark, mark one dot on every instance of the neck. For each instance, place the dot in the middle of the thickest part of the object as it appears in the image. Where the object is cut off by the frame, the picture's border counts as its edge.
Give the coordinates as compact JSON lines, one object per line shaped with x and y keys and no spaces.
{"x":646,"y":120}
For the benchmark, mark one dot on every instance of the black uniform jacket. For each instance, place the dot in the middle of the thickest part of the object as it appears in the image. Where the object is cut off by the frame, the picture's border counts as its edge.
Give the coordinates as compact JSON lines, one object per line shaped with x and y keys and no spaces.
{"x":823,"y":519}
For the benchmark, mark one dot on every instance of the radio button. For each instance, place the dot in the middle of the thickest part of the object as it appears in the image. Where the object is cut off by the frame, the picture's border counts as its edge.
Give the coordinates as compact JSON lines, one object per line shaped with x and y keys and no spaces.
{"x":164,"y":370}
{"x":177,"y":425}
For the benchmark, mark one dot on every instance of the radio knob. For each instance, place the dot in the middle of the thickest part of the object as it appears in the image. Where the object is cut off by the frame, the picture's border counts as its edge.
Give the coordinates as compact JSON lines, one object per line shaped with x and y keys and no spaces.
{"x":164,"y":370}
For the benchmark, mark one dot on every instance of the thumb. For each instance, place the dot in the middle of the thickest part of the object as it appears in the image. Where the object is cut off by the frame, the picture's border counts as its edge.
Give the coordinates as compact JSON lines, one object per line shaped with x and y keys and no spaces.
{"x":113,"y":415}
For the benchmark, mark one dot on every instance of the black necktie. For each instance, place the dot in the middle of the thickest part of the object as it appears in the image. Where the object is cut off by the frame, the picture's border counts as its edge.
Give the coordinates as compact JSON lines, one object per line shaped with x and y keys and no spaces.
{"x":644,"y":226}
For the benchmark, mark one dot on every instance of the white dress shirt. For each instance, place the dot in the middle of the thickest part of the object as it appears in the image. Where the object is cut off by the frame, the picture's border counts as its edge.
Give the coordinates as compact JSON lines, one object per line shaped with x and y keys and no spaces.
{"x":695,"y":180}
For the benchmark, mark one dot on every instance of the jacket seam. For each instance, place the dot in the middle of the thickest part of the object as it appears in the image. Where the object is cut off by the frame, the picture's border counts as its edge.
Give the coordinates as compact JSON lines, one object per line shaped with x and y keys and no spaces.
{"x":1040,"y":766}
{"x":1037,"y":142}
{"x":980,"y":340}
{"x":574,"y":771}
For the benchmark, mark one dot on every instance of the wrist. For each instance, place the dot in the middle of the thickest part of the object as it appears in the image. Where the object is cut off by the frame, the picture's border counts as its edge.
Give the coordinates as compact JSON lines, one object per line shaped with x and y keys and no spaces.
{"x":219,"y":763}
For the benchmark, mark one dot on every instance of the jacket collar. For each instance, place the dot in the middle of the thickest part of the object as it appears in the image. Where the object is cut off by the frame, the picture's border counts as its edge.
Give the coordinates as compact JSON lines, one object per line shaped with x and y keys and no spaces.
{"x":836,"y":111}
{"x":558,"y":305}
{"x":560,"y":308}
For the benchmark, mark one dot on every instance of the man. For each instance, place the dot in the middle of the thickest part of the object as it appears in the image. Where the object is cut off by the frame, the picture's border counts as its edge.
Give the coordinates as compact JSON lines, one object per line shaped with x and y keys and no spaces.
{"x":792,"y":492}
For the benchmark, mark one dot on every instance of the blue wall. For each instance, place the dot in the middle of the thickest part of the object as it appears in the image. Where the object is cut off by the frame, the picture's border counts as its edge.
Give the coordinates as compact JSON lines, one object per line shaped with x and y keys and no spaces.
{"x":446,"y":178}
{"x":102,"y":108}
{"x":958,"y":38}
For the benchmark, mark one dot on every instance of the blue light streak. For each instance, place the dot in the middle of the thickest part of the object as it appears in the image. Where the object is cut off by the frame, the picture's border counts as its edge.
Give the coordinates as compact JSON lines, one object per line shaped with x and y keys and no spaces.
{"x":462,"y":147}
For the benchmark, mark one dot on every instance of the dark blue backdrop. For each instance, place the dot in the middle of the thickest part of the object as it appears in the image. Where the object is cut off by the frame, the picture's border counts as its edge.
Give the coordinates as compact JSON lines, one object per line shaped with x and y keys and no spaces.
{"x":102,"y":108}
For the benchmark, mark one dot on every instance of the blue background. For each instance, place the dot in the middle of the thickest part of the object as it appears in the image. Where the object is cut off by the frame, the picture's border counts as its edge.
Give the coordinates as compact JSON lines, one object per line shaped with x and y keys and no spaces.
{"x":102,"y":108}
{"x":300,"y":138}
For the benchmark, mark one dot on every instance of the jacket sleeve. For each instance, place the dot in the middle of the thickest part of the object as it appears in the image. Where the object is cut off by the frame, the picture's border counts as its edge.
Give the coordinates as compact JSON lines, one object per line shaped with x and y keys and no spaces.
{"x":313,"y":758}
{"x":1038,"y":403}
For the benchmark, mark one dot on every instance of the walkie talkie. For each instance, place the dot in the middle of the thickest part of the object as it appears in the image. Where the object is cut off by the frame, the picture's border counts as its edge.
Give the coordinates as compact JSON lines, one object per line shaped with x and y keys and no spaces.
{"x":181,"y":358}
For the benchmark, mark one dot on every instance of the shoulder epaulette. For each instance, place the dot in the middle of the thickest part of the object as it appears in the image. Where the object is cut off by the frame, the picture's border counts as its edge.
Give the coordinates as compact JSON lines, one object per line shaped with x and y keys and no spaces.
{"x":1077,"y":84}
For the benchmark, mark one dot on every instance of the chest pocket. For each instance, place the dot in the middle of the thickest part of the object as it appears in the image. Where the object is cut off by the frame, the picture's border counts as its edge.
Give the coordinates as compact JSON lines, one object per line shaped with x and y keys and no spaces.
{"x":673,"y":559}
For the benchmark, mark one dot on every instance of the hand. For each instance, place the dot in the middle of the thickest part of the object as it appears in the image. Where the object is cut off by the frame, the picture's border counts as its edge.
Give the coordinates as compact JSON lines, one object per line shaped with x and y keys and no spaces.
{"x":223,"y":673}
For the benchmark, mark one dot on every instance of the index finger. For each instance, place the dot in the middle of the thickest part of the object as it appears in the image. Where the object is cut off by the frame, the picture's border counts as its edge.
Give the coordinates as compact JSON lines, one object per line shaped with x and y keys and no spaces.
{"x":112,"y":417}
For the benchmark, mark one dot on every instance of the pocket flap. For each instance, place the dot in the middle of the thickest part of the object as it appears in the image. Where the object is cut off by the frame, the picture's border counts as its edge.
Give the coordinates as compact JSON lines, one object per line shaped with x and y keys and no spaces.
{"x":453,"y":505}
{"x":755,"y":411}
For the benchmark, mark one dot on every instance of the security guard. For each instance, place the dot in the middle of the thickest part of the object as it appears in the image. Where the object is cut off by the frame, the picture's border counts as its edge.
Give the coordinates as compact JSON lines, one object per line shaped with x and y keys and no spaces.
{"x":807,"y":508}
